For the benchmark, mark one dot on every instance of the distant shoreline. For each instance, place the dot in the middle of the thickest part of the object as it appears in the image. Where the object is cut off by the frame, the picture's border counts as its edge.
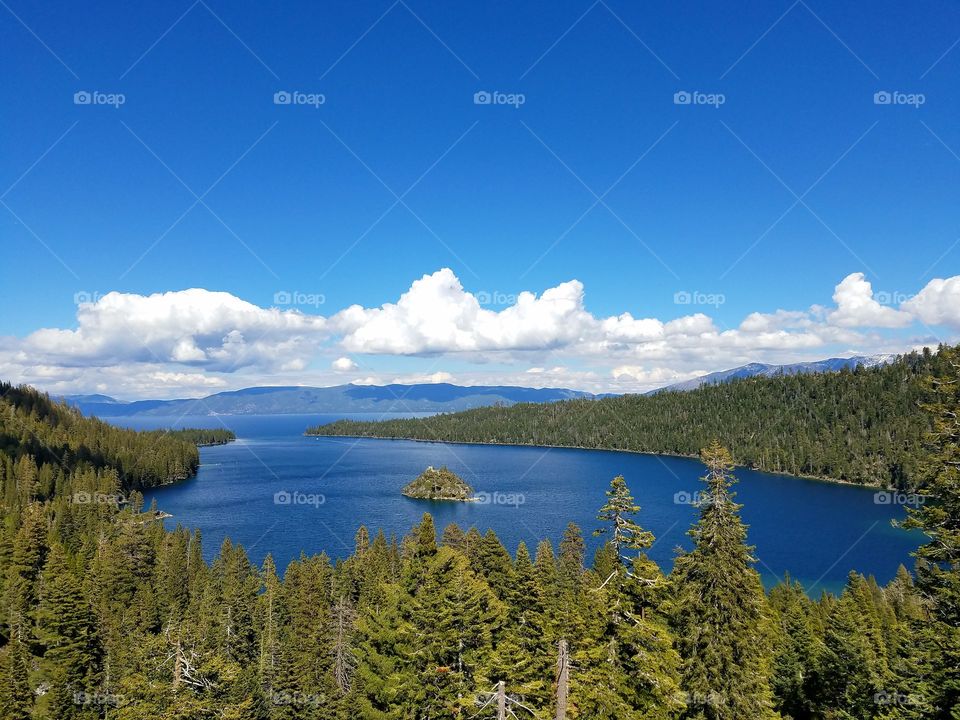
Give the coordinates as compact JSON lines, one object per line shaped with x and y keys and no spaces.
{"x":818,"y":478}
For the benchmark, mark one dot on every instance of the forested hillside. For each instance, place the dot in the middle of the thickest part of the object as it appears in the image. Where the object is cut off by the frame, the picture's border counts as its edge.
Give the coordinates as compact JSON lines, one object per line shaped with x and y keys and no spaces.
{"x":107,"y":615}
{"x":863,"y":426}
{"x":58,"y":439}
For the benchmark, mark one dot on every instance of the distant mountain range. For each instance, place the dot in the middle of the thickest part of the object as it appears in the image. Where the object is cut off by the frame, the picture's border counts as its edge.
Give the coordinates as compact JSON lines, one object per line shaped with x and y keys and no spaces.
{"x":755,"y":369}
{"x":432,"y":397}
{"x":428,"y":397}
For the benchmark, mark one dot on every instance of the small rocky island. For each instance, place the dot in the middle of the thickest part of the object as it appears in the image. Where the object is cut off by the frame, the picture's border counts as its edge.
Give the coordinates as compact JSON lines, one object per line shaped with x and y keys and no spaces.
{"x":442,"y":484}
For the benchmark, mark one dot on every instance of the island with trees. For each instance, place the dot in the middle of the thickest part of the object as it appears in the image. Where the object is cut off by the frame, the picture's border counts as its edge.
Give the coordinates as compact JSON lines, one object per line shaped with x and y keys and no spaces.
{"x":439,"y":484}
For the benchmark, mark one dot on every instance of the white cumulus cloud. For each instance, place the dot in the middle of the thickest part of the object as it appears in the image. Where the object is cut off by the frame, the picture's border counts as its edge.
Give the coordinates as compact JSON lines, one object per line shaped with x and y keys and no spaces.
{"x":938,"y":303}
{"x":197,"y":327}
{"x":343,"y":364}
{"x":652,"y":377}
{"x":856,"y":306}
{"x":437,"y":315}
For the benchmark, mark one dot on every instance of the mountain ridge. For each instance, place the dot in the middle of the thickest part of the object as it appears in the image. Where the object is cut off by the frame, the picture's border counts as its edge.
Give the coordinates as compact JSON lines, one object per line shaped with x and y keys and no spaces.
{"x":834,"y":364}
{"x":300,"y":399}
{"x":417,"y":397}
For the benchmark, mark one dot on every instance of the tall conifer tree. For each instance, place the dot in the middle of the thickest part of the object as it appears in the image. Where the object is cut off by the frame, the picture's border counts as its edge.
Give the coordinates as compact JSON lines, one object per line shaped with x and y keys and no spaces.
{"x":719,"y":609}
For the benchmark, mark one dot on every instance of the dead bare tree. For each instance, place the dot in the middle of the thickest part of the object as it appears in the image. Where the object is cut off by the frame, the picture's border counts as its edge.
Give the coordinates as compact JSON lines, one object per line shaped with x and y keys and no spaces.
{"x":563,"y":679}
{"x":342,"y":618}
{"x":504,"y":703}
{"x":185,"y":661}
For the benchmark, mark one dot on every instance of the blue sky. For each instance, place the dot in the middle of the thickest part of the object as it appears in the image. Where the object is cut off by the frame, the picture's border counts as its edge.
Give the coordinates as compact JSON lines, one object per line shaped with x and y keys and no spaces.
{"x":783,"y":177}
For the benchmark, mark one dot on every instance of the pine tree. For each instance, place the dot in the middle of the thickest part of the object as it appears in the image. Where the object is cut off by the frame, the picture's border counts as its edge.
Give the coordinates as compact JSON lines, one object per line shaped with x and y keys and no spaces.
{"x":625,"y":666}
{"x":719,"y":610}
{"x":454,"y":537}
{"x":197,"y":570}
{"x":492,"y":562}
{"x":570,"y":558}
{"x":547,"y":581}
{"x":624,"y":533}
{"x":272,"y":618}
{"x":378,"y":569}
{"x":426,"y":537}
{"x":418,"y":548}
{"x":471,"y":544}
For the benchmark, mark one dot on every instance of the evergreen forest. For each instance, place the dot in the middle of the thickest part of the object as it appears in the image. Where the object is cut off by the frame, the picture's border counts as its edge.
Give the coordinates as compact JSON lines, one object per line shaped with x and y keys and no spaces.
{"x":106,"y":614}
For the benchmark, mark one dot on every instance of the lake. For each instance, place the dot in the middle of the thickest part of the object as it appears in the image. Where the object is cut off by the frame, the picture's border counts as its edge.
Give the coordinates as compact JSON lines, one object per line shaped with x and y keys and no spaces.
{"x":276,"y":491}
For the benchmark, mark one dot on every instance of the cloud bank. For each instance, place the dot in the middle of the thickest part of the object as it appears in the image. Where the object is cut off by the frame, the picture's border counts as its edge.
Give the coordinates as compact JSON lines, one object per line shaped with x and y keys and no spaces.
{"x":198,"y":341}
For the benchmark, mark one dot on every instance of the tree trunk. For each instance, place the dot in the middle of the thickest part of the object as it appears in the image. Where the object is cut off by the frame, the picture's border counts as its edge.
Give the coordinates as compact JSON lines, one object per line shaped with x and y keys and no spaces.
{"x":563,"y":679}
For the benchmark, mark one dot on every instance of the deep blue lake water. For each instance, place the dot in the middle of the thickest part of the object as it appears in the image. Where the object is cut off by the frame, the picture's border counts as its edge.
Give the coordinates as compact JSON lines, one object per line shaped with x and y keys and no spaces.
{"x":814,"y":530}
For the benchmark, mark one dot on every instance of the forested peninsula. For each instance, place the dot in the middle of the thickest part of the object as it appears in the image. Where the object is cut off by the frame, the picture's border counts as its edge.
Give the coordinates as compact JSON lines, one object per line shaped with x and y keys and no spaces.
{"x":56,"y":436}
{"x":863,"y":426}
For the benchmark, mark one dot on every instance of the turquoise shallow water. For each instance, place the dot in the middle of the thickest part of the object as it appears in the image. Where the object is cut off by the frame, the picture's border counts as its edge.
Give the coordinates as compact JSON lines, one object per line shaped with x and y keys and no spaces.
{"x":276,"y":491}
